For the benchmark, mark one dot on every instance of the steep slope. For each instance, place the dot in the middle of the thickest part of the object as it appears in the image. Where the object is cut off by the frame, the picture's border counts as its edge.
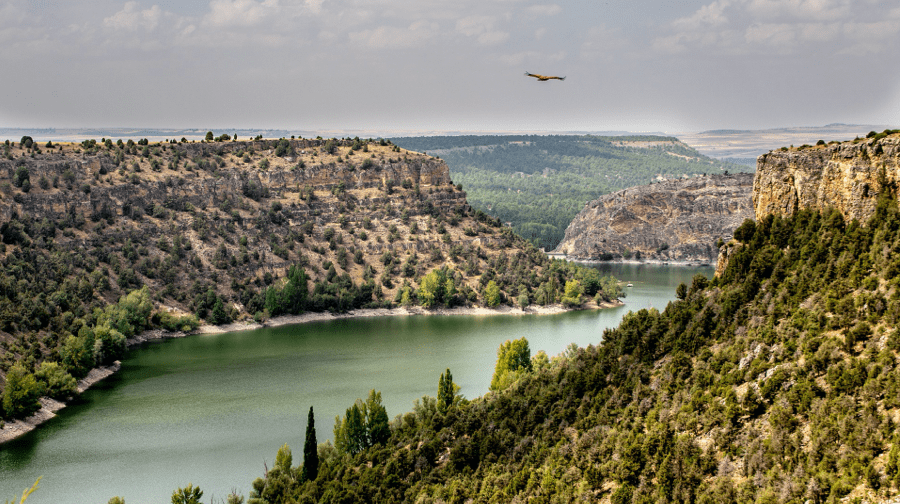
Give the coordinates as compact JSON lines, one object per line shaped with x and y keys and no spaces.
{"x":99,"y":241}
{"x":676,"y":220}
{"x":539,"y":183}
{"x":776,"y":381}
{"x":846,"y":176}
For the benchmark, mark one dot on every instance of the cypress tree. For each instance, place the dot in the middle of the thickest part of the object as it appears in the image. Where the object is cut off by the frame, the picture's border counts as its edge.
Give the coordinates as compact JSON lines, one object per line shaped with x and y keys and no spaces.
{"x":310,"y":449}
{"x":445,"y":391}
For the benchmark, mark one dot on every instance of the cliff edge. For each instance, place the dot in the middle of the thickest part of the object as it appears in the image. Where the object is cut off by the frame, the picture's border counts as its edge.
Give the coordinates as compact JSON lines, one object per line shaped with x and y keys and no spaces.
{"x":847,"y":176}
{"x":677,"y":220}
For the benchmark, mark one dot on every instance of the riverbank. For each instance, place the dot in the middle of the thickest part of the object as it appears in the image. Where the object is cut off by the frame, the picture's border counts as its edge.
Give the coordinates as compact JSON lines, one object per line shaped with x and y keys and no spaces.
{"x":650,"y":262}
{"x":398,"y":312}
{"x":49,"y":407}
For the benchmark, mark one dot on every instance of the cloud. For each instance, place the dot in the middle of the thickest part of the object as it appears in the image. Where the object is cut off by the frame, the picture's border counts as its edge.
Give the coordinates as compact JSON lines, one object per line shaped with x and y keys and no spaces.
{"x":390,"y":37}
{"x":482,"y":28}
{"x":783,"y":27}
{"x":545,"y":10}
{"x":706,"y":16}
{"x":812,"y":10}
{"x":131,"y":18}
{"x":241,"y":13}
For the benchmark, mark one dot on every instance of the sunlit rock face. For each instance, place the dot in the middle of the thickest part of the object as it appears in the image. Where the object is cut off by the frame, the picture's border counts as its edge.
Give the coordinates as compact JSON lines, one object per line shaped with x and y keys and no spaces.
{"x":845,"y":176}
{"x":678,"y":220}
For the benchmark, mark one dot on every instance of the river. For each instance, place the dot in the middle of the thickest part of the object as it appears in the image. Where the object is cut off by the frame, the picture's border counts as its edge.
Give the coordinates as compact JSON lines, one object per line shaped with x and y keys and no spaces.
{"x":213,"y":409}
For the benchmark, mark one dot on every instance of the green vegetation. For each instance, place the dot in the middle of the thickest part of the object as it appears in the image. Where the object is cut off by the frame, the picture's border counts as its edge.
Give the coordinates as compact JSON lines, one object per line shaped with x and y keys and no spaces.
{"x":27,"y":492}
{"x":310,"y":449}
{"x":189,"y":494}
{"x":150,"y":235}
{"x":513,"y":361}
{"x":539,"y":183}
{"x":364,"y":425}
{"x":776,"y":382}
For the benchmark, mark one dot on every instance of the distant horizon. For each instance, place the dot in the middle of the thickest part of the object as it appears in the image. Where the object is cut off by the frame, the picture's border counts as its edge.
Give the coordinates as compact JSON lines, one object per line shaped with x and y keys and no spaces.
{"x":53,"y":133}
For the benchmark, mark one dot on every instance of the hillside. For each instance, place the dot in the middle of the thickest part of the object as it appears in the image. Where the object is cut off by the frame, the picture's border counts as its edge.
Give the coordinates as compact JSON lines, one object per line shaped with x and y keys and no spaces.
{"x":101,"y":240}
{"x":776,"y":381}
{"x":677,"y":220}
{"x":539,"y":183}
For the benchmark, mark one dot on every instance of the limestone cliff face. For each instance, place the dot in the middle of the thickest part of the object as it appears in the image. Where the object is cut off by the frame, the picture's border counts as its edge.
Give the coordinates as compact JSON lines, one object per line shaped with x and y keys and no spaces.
{"x":847,"y":176}
{"x":677,"y":220}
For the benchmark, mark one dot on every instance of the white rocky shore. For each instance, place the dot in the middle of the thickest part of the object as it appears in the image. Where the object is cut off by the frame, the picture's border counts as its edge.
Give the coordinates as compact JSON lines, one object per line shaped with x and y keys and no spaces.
{"x":49,"y":407}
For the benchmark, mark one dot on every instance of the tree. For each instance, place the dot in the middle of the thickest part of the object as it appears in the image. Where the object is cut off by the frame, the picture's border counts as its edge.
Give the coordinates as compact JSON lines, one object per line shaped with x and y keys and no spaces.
{"x":20,"y":397}
{"x":365,"y":424}
{"x":217,"y":315}
{"x":377,"y":426}
{"x":187,"y":495}
{"x":284,"y":459}
{"x":437,"y":288}
{"x":513,"y":360}
{"x":310,"y":449}
{"x":209,"y":136}
{"x":350,"y":433}
{"x":491,"y":294}
{"x":130,"y":315}
{"x":21,"y":176}
{"x":77,"y":353}
{"x":58,"y":383}
{"x":447,"y":391}
{"x":572,"y":295}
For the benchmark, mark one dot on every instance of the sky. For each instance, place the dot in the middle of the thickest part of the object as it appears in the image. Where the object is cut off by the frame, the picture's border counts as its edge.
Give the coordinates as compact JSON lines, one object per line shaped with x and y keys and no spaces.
{"x":432,"y":65}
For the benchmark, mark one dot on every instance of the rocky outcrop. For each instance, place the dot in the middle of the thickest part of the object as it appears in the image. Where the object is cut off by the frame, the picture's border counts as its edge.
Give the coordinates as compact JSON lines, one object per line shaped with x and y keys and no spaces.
{"x":678,"y":220}
{"x":846,"y":176}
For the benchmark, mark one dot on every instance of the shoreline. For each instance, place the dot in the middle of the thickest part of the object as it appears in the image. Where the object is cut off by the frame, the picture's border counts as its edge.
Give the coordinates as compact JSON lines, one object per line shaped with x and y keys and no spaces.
{"x":16,"y":428}
{"x":652,"y":262}
{"x":303,"y":318}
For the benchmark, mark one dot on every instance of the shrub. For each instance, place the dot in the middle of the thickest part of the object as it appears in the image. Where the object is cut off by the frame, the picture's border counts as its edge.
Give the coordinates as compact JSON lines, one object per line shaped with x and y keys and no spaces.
{"x":20,"y":396}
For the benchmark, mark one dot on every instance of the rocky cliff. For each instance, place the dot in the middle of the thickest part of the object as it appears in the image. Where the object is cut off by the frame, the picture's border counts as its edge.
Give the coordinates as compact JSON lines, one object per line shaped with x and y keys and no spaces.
{"x":221,"y":222}
{"x":679,"y":220}
{"x":847,"y":176}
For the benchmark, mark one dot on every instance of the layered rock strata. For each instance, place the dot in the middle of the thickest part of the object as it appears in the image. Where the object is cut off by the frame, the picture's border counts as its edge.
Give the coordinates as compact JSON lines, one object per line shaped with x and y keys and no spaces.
{"x":679,"y":220}
{"x":846,"y":176}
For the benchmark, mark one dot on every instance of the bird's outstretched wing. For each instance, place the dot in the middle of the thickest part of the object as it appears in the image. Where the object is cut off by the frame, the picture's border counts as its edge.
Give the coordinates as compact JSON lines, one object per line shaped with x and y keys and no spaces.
{"x":543,"y":77}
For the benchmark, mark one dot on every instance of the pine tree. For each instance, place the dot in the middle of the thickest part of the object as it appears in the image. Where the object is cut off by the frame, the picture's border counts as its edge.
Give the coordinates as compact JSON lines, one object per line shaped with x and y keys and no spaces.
{"x":310,"y":449}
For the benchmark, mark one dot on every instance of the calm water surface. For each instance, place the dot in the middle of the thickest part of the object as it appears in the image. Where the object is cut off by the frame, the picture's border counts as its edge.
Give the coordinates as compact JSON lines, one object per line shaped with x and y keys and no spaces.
{"x":212,"y":409}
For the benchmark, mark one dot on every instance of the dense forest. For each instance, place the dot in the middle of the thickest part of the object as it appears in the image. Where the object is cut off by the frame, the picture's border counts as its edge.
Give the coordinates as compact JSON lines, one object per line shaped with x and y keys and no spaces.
{"x":777,"y":381}
{"x":103,"y":240}
{"x":539,"y":183}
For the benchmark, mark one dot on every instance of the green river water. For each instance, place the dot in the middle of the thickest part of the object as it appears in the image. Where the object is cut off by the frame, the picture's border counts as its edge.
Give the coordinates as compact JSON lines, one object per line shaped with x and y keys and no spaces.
{"x":212,"y":409}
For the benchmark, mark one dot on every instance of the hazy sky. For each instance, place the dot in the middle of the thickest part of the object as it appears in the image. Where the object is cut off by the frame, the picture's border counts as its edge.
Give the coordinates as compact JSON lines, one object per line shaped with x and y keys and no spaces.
{"x":410,"y":65}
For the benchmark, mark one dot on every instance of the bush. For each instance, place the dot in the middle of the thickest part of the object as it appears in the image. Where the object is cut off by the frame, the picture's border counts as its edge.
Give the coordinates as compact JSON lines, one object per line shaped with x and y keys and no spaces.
{"x":58,"y":383}
{"x":21,"y":394}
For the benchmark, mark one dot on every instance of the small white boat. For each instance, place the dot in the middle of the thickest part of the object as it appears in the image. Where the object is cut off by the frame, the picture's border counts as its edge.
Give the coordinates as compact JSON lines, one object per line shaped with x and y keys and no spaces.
{"x":630,"y":285}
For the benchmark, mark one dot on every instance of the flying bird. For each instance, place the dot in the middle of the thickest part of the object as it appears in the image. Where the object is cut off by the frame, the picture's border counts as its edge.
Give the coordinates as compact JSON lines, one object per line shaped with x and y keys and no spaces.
{"x":544,"y":77}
